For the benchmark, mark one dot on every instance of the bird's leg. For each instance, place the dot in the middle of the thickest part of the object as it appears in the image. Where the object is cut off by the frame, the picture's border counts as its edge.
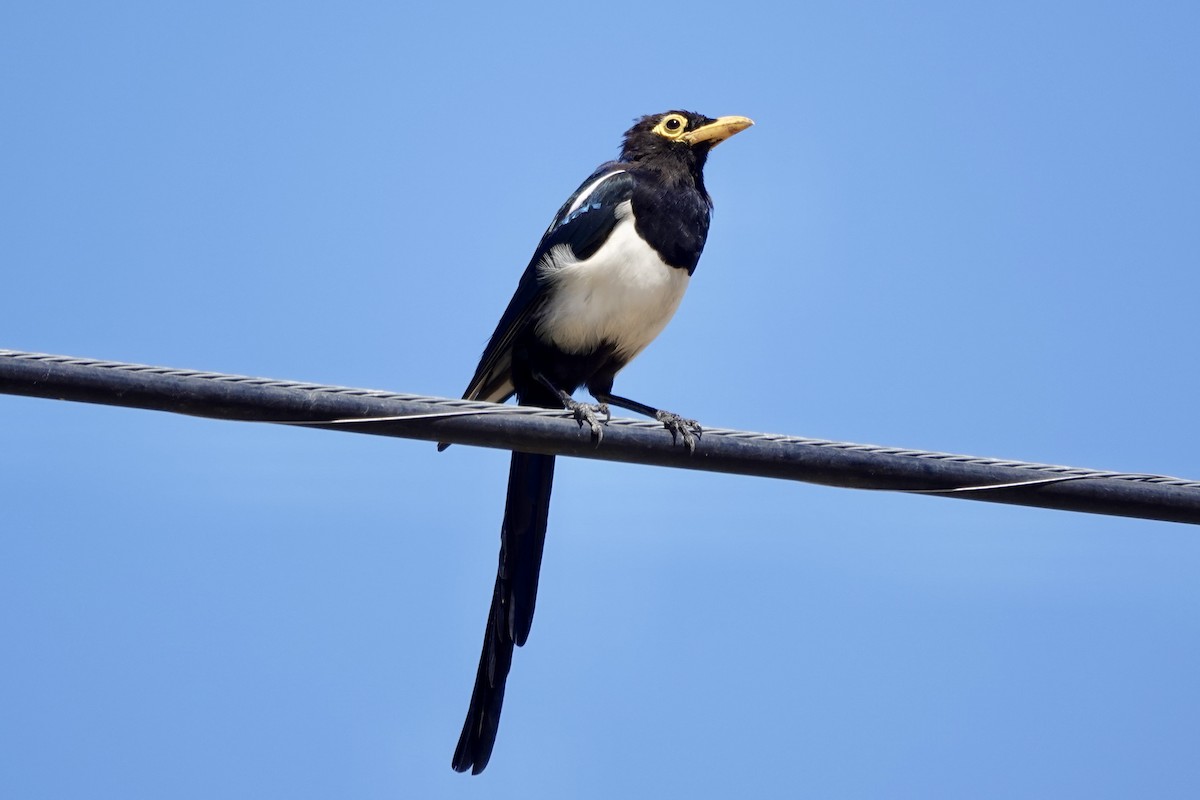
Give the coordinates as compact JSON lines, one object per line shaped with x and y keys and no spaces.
{"x":681,"y":428}
{"x":585,"y":413}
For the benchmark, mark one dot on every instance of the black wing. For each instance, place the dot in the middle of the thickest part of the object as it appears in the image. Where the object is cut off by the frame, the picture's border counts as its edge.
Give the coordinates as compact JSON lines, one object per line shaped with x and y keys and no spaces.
{"x":583,"y":224}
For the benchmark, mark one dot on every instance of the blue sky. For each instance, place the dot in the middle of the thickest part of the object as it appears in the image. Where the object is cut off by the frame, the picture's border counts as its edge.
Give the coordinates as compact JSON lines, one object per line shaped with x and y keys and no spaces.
{"x":953,"y":228}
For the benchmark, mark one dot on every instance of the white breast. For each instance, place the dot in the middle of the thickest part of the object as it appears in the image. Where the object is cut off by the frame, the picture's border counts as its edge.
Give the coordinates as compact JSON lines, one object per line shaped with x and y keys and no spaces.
{"x":623,"y":295}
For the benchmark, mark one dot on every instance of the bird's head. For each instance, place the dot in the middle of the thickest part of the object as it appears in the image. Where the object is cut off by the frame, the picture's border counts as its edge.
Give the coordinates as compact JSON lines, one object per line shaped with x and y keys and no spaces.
{"x":681,"y":135}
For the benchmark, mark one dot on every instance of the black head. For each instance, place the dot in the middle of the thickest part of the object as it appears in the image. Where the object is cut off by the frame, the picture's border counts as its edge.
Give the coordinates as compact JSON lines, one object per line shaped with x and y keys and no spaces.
{"x":679,"y":136}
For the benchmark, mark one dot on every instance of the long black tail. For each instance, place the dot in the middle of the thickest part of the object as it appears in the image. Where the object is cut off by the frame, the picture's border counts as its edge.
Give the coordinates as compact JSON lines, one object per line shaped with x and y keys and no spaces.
{"x":521,"y":539}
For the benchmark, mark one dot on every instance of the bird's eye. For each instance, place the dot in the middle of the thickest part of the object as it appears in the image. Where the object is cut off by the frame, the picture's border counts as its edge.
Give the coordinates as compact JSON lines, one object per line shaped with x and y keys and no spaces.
{"x":671,"y":126}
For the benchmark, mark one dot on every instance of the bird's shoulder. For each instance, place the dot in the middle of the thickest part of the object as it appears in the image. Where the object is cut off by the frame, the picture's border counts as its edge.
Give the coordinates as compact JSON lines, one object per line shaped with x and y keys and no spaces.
{"x":588,"y":216}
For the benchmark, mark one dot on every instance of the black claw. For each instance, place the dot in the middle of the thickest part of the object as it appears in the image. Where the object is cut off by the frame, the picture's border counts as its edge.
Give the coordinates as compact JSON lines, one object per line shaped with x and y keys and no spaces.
{"x":585,"y":413}
{"x":688,"y":429}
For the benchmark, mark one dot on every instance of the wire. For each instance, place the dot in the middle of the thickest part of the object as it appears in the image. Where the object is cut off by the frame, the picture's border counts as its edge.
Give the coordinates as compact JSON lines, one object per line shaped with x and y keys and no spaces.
{"x":860,"y":466}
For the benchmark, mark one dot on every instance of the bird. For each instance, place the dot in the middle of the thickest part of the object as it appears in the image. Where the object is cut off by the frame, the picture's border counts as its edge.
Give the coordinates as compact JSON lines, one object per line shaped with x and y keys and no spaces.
{"x":606,"y":277}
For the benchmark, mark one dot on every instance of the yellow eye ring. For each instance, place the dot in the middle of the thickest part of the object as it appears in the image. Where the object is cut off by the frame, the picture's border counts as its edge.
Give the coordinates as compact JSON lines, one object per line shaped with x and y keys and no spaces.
{"x":672,"y":126}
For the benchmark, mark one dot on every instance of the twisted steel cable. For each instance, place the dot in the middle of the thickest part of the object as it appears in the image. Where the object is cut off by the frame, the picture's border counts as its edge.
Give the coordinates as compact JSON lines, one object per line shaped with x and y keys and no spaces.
{"x":847,"y":464}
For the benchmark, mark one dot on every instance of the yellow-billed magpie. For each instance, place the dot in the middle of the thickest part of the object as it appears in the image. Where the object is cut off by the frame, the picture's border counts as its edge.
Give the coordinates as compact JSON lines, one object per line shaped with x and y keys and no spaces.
{"x":605,"y":279}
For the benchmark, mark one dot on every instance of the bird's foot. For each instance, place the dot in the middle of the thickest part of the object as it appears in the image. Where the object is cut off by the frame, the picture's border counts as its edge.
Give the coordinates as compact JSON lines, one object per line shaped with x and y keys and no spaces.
{"x":687,"y":429}
{"x":588,"y":414}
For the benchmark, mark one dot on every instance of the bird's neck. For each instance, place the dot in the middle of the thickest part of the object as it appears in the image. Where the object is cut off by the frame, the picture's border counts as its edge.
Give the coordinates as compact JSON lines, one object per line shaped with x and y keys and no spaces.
{"x":677,"y":171}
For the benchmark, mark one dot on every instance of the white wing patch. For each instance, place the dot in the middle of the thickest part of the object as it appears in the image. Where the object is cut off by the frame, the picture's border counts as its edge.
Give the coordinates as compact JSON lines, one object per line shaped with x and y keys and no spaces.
{"x":623,"y":295}
{"x":587,"y":193}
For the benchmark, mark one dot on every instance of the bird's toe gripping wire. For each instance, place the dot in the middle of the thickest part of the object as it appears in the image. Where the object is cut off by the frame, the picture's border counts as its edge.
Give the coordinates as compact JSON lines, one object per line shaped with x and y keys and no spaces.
{"x":585,"y":413}
{"x":588,"y":414}
{"x":681,"y":428}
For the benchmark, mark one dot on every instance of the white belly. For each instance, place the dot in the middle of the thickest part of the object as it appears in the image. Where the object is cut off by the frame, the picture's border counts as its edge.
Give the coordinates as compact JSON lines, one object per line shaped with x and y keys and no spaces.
{"x":623,"y":295}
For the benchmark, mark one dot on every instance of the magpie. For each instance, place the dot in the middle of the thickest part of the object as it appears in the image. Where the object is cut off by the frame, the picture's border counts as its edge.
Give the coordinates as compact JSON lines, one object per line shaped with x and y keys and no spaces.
{"x":605,"y":279}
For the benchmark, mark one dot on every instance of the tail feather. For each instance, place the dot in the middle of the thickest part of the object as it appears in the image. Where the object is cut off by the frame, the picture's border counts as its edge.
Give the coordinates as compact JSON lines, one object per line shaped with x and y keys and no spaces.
{"x":521,"y":541}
